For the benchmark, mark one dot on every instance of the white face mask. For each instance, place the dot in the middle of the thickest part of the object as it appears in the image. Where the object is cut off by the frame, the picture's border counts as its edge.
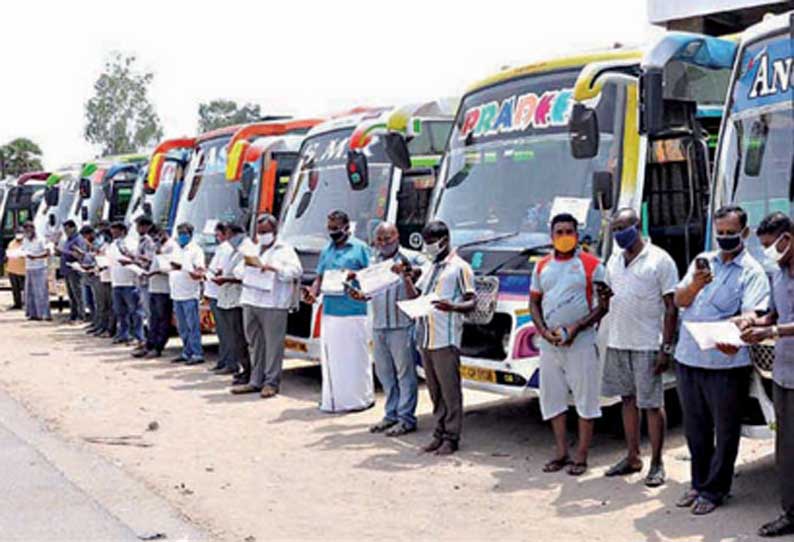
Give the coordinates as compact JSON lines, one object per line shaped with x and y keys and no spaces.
{"x":19,"y":236}
{"x":773,"y":253}
{"x":434,"y":249}
{"x":266,"y":239}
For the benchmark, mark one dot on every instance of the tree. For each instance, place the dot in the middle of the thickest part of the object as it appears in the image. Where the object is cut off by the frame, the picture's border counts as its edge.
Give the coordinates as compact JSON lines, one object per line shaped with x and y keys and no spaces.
{"x":19,"y":156}
{"x":220,"y":113}
{"x":120,"y":118}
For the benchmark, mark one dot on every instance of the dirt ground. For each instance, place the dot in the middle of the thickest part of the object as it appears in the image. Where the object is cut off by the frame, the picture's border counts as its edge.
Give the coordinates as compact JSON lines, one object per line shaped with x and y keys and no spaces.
{"x":250,"y":469}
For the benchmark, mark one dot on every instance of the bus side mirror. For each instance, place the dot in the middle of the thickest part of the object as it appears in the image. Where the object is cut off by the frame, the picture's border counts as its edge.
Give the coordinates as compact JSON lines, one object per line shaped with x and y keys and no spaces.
{"x":357,"y":172}
{"x":756,"y":146}
{"x":84,"y":213}
{"x":652,"y":102}
{"x":147,"y":209}
{"x":52,"y":220}
{"x":246,"y":184}
{"x":583,"y":131}
{"x":52,"y":196}
{"x":397,"y":150}
{"x":603,"y":191}
{"x":85,"y":188}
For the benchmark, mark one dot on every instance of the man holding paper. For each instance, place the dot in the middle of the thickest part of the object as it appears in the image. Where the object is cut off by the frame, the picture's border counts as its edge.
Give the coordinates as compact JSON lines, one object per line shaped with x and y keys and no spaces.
{"x":185,"y":279}
{"x":160,"y":306}
{"x":226,"y":363}
{"x":394,"y":348}
{"x":439,"y":331}
{"x":144,"y":254}
{"x":713,"y":384}
{"x":776,"y":233}
{"x":126,"y":296}
{"x":345,"y":360}
{"x":71,"y":254}
{"x":271,"y":275}
{"x":37,"y":289}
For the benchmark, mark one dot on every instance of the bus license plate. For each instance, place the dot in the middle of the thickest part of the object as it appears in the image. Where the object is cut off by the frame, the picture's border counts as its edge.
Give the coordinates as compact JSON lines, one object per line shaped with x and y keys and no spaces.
{"x":478,"y":374}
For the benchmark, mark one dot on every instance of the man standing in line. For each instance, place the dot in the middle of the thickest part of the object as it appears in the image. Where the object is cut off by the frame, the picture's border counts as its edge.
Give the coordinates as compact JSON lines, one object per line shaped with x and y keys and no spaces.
{"x":393,"y":336}
{"x":160,"y":306}
{"x":37,"y":289}
{"x":438,"y":334}
{"x":104,"y":294}
{"x":230,"y":312}
{"x":345,"y":360}
{"x":185,"y":284}
{"x":72,"y":252}
{"x":90,"y":277}
{"x":713,"y":384}
{"x":776,"y":233}
{"x":126,"y":296}
{"x":226,"y":362}
{"x":15,"y":267}
{"x":641,"y":331}
{"x":265,"y":309}
{"x":565,"y":308}
{"x":144,"y":255}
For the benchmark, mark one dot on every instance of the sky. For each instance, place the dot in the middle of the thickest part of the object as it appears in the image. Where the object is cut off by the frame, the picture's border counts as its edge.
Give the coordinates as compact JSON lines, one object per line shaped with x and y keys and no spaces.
{"x":291,"y":57}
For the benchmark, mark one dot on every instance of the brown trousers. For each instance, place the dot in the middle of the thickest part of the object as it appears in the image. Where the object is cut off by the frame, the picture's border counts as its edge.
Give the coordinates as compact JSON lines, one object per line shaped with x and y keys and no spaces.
{"x":442,"y":375}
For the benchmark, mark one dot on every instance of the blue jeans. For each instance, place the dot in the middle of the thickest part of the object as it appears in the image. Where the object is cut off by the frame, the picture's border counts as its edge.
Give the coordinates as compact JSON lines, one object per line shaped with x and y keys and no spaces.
{"x":129,"y":313}
{"x":187,"y":320}
{"x":159,"y":321}
{"x":395,"y":366}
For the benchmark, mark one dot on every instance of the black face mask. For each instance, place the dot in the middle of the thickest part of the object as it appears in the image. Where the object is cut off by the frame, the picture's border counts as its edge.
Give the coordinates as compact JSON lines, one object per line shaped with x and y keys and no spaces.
{"x":337,"y":235}
{"x":729,"y":243}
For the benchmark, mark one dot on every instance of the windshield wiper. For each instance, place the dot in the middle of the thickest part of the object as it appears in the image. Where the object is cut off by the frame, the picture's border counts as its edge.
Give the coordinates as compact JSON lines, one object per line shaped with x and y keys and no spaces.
{"x":488,"y":240}
{"x":525,"y":253}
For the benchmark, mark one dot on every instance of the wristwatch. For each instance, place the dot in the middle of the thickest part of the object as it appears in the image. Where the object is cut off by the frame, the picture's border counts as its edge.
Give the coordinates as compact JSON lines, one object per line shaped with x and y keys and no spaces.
{"x":775,"y":332}
{"x":667,"y":349}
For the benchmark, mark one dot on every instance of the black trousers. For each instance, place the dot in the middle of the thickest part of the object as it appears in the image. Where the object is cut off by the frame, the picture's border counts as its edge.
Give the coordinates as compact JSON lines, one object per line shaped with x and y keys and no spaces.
{"x":712,"y":401}
{"x":784,"y":446}
{"x":234,"y":336}
{"x":161,"y":310}
{"x":442,"y":376}
{"x":17,"y":288}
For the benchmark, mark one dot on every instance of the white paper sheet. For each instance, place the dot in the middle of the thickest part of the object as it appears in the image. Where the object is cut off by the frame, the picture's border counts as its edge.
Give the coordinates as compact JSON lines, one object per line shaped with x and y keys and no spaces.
{"x":708,"y":334}
{"x":102,"y":262}
{"x":334,"y":281}
{"x":138,"y":270}
{"x":17,"y":253}
{"x":209,"y":226}
{"x":256,"y":278}
{"x":376,"y":279}
{"x":578,"y":207}
{"x":76,"y":266}
{"x":163,"y":262}
{"x":418,"y":307}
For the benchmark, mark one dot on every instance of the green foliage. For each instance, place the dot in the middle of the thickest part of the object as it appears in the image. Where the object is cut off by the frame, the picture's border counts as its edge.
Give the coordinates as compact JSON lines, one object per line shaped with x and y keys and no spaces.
{"x":120,"y":118}
{"x":19,"y":156}
{"x":220,"y":113}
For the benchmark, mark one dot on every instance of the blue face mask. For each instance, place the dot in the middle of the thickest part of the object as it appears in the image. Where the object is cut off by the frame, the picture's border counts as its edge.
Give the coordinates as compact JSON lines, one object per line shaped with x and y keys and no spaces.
{"x":184,"y":239}
{"x":626,"y":238}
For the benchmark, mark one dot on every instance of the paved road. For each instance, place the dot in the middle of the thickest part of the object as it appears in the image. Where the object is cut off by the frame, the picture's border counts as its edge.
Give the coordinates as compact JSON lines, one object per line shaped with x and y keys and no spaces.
{"x":50,"y":490}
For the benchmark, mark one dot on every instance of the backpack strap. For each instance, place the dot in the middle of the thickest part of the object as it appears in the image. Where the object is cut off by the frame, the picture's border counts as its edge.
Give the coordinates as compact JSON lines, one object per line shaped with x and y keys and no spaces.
{"x":590,"y":264}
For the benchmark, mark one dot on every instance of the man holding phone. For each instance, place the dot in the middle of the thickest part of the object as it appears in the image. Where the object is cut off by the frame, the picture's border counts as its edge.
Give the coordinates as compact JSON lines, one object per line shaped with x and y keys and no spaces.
{"x":713,"y":384}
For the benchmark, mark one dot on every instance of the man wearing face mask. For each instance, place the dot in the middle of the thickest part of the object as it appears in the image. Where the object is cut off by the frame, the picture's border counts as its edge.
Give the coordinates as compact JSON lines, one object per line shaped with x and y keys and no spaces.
{"x":73,"y":249}
{"x":187,"y":272}
{"x":567,"y":300}
{"x":37,"y":290}
{"x":160,"y":306}
{"x":15,"y":267}
{"x":345,"y":360}
{"x":229,"y":310}
{"x":713,"y":384}
{"x":394,"y":346}
{"x":776,"y":233}
{"x":104,"y":292}
{"x":438,"y":335}
{"x":270,"y":291}
{"x":640,"y":339}
{"x":227,"y":364}
{"x":126,"y":296}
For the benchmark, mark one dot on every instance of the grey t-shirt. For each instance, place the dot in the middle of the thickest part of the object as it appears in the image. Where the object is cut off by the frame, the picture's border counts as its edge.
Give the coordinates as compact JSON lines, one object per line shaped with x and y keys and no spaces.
{"x":782,"y":302}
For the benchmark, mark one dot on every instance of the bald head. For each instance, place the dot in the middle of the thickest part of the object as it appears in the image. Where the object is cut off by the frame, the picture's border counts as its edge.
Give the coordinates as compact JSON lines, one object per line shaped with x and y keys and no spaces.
{"x":387,"y":238}
{"x":625,"y":218}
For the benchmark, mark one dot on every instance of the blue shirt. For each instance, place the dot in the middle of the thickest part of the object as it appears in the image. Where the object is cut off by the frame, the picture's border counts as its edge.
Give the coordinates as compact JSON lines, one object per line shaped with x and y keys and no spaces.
{"x":783,"y":304}
{"x":351,"y":256}
{"x":68,"y":255}
{"x":385,"y":314}
{"x":739,"y":286}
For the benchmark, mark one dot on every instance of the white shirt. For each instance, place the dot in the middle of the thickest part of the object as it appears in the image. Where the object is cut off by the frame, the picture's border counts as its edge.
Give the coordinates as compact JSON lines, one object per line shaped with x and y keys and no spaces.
{"x":218,"y":261}
{"x":283,"y":257}
{"x":34,"y":247}
{"x":120,"y":276}
{"x":158,"y":282}
{"x":636,"y":311}
{"x":183,"y":286}
{"x":229,"y":293}
{"x":104,"y":273}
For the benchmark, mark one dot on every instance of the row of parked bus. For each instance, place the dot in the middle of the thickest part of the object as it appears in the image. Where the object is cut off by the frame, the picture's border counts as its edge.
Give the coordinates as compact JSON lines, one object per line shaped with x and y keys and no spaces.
{"x":674,"y":129}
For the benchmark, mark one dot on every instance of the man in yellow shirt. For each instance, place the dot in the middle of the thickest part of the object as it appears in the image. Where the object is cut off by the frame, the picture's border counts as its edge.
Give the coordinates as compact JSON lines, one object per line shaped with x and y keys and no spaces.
{"x":15,"y":266}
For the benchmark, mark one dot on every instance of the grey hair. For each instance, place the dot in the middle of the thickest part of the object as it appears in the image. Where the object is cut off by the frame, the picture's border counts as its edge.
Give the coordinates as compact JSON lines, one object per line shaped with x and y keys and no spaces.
{"x":267,"y":218}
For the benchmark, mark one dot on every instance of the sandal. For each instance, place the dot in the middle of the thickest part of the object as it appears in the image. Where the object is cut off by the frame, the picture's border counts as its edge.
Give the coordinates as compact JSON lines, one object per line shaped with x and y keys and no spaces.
{"x":623,"y":468}
{"x":703,"y":506}
{"x":687,"y":499}
{"x":781,"y":526}
{"x":556,"y":465}
{"x":655,"y":477}
{"x":577,"y":469}
{"x":399,"y":430}
{"x":382,"y":426}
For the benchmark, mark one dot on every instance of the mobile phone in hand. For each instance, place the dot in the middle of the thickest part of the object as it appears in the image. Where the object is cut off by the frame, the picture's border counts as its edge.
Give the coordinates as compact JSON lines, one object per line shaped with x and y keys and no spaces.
{"x":702,"y":264}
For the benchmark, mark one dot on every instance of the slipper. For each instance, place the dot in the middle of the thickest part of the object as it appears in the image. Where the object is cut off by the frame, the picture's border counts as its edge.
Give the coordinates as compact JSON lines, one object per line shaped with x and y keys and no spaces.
{"x":556,"y":465}
{"x":687,"y":499}
{"x":703,"y":506}
{"x":655,"y":476}
{"x":780,"y":527}
{"x":577,"y":469}
{"x":623,"y":468}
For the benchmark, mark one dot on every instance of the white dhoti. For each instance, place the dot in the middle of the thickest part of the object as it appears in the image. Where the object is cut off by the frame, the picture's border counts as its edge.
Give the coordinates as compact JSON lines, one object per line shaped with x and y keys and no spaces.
{"x":346,"y":364}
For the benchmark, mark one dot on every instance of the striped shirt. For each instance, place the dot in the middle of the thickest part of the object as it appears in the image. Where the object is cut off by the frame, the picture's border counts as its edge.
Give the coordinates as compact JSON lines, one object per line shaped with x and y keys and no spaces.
{"x":450,"y":280}
{"x":385,"y":314}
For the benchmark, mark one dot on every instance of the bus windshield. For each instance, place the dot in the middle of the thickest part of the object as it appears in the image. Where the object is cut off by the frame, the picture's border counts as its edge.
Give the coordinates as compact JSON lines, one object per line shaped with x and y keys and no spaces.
{"x":509,"y":161}
{"x":321,"y":185}
{"x":207,"y":197}
{"x":756,"y":162}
